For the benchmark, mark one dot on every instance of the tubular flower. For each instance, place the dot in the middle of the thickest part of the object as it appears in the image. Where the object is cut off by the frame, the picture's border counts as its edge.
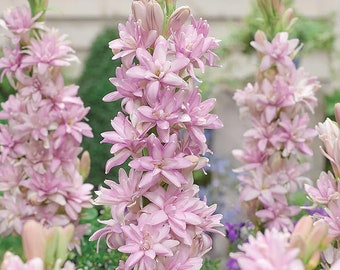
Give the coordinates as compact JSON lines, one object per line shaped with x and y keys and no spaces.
{"x":157,"y":218}
{"x":40,"y":142}
{"x":279,"y":138}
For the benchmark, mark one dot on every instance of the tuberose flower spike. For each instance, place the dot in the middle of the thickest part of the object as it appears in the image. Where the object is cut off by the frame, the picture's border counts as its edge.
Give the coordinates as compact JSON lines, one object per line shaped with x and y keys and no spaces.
{"x":278,"y":104}
{"x":40,"y":142}
{"x":158,"y":219}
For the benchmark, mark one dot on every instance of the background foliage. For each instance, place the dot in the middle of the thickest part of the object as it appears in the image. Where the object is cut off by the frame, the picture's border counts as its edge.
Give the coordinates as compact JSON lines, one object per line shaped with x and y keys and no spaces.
{"x":94,"y":84}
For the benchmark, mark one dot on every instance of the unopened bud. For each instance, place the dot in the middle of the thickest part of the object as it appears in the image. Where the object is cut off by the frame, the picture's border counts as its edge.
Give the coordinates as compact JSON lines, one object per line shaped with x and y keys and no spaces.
{"x":260,"y":37}
{"x":177,"y":19}
{"x":154,"y":16}
{"x":85,"y":164}
{"x":33,"y":240}
{"x":65,"y":235}
{"x":337,"y":113}
{"x":313,"y":262}
{"x":139,"y":12}
{"x":278,"y":6}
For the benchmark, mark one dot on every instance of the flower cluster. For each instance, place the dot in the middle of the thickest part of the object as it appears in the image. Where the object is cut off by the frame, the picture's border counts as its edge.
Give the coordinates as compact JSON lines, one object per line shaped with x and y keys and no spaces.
{"x":284,"y":250}
{"x":326,"y":193}
{"x":275,"y":146}
{"x":41,"y":177}
{"x":157,"y":216}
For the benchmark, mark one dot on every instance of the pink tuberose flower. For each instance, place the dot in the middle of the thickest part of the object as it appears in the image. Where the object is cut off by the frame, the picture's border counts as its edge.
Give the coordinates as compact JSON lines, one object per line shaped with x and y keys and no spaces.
{"x":51,"y":50}
{"x":163,"y":161}
{"x":278,"y":51}
{"x":144,"y":243}
{"x":268,"y":251}
{"x":14,"y":262}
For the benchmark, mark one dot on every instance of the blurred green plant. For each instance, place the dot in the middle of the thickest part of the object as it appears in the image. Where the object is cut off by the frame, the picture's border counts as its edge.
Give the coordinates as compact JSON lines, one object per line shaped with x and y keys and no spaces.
{"x":93,"y":86}
{"x":314,"y":33}
{"x":331,"y":100}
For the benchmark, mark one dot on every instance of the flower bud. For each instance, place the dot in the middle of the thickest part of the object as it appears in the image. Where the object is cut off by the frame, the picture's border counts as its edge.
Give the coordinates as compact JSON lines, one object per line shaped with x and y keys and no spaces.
{"x":154,"y":16}
{"x":33,"y":240}
{"x":260,"y":37}
{"x":65,"y":235}
{"x":139,"y":12}
{"x":85,"y":164}
{"x":177,"y":19}
{"x":337,"y":113}
{"x":278,"y":6}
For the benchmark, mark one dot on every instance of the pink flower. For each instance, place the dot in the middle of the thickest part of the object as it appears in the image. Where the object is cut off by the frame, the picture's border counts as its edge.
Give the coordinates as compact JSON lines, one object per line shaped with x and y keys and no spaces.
{"x":10,"y":63}
{"x":163,"y":161}
{"x":156,"y":70}
{"x":296,"y":133}
{"x":192,"y":42}
{"x":132,"y":36}
{"x":200,"y":117}
{"x":19,"y":21}
{"x":183,"y":259}
{"x":144,"y":243}
{"x":326,"y":190}
{"x":123,"y":194}
{"x":126,"y":139}
{"x":165,"y":114}
{"x":51,"y":50}
{"x":71,"y":124}
{"x":13,"y":211}
{"x":329,"y":134}
{"x":274,"y":97}
{"x":268,"y":251}
{"x":277,"y":52}
{"x":305,"y":87}
{"x":14,"y":262}
{"x":333,"y":217}
{"x":10,"y":176}
{"x":171,"y":206}
{"x":278,"y":215}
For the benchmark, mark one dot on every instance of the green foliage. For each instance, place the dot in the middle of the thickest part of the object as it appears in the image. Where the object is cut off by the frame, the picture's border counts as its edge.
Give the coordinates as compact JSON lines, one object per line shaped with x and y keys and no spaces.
{"x":314,"y":33}
{"x":210,"y":264}
{"x":10,"y":243}
{"x":331,"y":100}
{"x":5,"y":90}
{"x":94,"y":85}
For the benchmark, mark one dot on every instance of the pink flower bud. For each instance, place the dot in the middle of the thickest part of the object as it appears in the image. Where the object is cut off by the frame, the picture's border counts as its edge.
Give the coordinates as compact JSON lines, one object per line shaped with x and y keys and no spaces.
{"x":337,"y":113}
{"x":260,"y":37}
{"x":278,"y":6}
{"x":139,"y":12}
{"x":33,"y":240}
{"x":154,"y":16}
{"x":177,"y":19}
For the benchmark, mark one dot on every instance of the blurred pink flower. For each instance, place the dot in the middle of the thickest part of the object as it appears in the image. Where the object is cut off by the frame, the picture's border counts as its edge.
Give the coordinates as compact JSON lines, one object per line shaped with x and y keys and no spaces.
{"x":277,"y":52}
{"x":51,"y":50}
{"x":14,"y":262}
{"x":19,"y":22}
{"x":268,"y":251}
{"x":10,"y":63}
{"x":325,"y":191}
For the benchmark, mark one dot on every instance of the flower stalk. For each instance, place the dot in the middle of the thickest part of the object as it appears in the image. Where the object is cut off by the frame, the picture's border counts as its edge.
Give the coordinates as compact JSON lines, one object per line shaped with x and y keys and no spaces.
{"x":158,"y":220}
